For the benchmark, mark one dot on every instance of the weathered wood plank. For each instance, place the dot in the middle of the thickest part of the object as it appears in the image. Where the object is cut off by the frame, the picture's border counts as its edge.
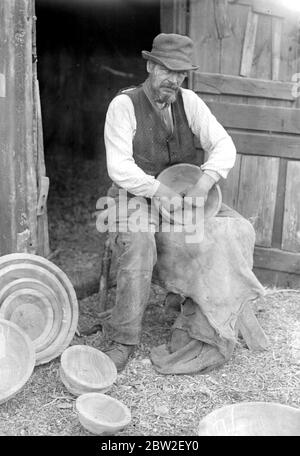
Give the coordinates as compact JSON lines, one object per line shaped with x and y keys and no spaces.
{"x":203,"y":31}
{"x":291,"y":222}
{"x":230,"y":186}
{"x":268,"y":145}
{"x":268,"y":7}
{"x":276,"y":47}
{"x":261,"y":67}
{"x":2,"y":85}
{"x":249,"y":44}
{"x":257,"y":195}
{"x":235,"y":85}
{"x":248,"y":117}
{"x":222,"y":19}
{"x":279,"y":207}
{"x":276,"y":260}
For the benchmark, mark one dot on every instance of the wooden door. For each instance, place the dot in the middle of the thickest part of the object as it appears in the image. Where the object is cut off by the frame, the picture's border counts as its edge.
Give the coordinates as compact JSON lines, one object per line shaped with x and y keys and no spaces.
{"x":23,"y":186}
{"x":248,"y":53}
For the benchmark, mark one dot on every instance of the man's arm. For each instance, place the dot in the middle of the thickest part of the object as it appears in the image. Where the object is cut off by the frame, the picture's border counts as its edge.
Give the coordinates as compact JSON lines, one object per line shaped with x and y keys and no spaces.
{"x":119,"y":131}
{"x":214,"y":140}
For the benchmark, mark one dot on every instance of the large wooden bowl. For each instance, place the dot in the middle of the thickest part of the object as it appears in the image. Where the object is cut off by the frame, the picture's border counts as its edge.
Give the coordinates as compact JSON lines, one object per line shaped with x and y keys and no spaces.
{"x":102,"y":414}
{"x":39,"y":297}
{"x":252,"y":419}
{"x":85,"y":369}
{"x":179,"y":178}
{"x":17,"y":359}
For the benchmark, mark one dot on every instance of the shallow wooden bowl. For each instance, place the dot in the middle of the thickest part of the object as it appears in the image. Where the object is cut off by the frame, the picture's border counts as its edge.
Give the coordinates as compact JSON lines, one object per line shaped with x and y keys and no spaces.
{"x":179,"y":178}
{"x":252,"y":419}
{"x":85,"y":369}
{"x":38,"y":296}
{"x":17,"y":359}
{"x":102,"y":414}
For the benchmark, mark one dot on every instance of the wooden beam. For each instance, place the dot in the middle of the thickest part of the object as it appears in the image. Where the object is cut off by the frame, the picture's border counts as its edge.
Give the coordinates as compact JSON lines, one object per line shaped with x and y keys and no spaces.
{"x":266,"y":145}
{"x":249,"y":44}
{"x":276,"y":260}
{"x":261,"y":118}
{"x":279,"y":207}
{"x":235,"y":85}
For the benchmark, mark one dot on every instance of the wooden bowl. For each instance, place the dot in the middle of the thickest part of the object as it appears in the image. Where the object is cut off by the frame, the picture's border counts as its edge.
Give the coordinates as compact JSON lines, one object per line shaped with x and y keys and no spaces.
{"x":17,"y":359}
{"x":102,"y":414}
{"x":85,"y":369}
{"x":179,"y":178}
{"x":252,"y":419}
{"x":38,"y":296}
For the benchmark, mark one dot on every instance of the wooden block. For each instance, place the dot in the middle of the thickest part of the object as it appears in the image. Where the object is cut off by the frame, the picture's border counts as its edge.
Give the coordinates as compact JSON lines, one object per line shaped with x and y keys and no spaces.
{"x":291,"y":221}
{"x":251,"y":330}
{"x":249,"y":44}
{"x":2,"y":86}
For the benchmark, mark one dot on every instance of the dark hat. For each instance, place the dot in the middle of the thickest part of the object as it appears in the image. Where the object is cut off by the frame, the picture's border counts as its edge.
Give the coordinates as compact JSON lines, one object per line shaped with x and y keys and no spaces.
{"x":172,"y":51}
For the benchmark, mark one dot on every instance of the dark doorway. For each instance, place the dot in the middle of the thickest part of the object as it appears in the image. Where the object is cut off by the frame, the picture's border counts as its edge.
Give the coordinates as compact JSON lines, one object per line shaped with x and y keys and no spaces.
{"x":87,"y":51}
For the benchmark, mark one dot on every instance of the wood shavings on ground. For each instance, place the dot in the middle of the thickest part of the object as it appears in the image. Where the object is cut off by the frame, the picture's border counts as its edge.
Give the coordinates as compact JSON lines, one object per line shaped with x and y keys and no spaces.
{"x":168,"y":405}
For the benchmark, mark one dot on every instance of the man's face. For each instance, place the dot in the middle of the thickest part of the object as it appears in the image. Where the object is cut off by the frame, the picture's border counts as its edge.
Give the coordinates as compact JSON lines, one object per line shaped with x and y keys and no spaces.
{"x":165,"y":83}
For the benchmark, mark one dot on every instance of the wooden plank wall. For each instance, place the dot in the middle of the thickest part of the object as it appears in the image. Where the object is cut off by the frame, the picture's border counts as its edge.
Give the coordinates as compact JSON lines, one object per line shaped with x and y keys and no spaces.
{"x":18,"y":190}
{"x":245,"y":77}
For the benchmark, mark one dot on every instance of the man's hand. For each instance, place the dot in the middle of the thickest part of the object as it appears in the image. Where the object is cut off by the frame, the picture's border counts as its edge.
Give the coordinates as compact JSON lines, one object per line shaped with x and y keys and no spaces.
{"x":201,"y":188}
{"x":166,"y":196}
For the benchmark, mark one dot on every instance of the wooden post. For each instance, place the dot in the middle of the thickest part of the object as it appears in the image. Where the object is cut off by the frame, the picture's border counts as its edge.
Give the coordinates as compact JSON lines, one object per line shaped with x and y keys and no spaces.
{"x":18,"y":192}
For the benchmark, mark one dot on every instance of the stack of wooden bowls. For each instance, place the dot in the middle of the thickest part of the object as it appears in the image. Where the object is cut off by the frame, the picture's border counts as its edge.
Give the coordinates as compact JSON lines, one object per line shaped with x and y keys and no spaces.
{"x":85,"y":369}
{"x":38,"y":296}
{"x":17,"y":359}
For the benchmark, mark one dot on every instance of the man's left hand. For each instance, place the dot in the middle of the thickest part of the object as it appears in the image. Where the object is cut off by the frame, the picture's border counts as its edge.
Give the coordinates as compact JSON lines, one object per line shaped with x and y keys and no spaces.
{"x":201,"y":188}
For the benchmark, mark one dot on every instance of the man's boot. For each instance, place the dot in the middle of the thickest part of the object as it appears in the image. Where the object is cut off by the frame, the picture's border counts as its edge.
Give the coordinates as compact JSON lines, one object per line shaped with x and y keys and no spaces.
{"x":119,"y":354}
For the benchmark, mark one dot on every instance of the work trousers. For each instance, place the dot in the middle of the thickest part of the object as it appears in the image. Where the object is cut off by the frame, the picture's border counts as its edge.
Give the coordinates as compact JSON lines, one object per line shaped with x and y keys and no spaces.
{"x":136,"y":255}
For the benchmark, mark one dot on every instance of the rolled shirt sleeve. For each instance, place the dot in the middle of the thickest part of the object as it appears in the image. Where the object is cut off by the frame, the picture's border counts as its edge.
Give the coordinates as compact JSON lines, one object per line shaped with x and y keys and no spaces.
{"x":119,"y":131}
{"x":214,"y":139}
{"x":120,"y":128}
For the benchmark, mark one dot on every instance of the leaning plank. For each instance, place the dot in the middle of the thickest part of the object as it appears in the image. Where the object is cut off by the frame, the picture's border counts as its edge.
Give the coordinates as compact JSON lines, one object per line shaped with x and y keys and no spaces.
{"x":251,"y":330}
{"x":264,"y":144}
{"x":249,"y":44}
{"x":291,"y":221}
{"x":262,"y":118}
{"x":276,"y":47}
{"x":236,"y":85}
{"x":276,"y":260}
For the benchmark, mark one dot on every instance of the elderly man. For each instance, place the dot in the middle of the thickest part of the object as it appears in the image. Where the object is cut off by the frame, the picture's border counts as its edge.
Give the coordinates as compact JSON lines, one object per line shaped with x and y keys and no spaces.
{"x":147,"y":129}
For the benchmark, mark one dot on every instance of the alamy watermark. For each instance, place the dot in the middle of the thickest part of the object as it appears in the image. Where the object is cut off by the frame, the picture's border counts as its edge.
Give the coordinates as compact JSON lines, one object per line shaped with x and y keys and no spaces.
{"x":296,"y":85}
{"x":139,"y":214}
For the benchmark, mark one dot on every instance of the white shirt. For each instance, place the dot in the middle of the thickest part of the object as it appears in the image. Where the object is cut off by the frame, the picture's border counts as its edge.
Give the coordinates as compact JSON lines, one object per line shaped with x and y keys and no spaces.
{"x":120,"y":128}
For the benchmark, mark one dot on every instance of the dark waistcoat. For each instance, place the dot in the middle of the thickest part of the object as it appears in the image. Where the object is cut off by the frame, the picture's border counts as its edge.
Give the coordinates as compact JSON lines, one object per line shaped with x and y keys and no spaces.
{"x":154,"y":148}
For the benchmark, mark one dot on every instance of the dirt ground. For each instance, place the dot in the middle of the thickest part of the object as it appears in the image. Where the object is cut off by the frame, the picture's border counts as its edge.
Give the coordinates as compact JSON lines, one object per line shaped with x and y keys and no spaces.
{"x":165,"y":405}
